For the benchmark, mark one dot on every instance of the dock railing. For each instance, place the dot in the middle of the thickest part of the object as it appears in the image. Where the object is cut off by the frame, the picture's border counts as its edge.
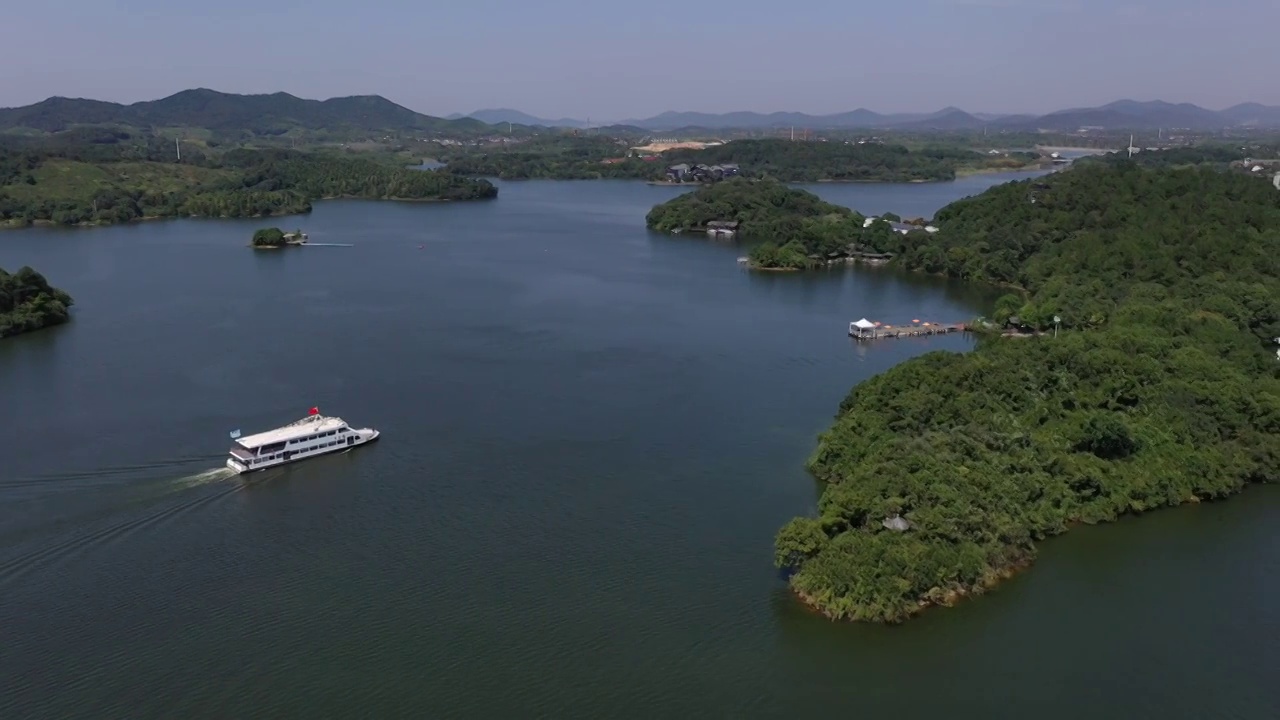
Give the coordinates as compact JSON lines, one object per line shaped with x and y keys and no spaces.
{"x":864,"y":330}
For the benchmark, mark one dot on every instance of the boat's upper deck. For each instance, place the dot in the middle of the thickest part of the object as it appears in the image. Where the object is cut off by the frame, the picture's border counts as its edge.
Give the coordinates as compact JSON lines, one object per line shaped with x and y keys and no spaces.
{"x":309,"y":425}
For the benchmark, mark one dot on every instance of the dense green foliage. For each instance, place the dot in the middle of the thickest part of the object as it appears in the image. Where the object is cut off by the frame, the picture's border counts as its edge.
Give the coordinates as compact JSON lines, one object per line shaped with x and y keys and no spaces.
{"x":327,"y":176}
{"x":27,"y":302}
{"x":106,"y":176}
{"x":765,"y":208}
{"x":268,"y":237}
{"x":554,"y":157}
{"x":1215,"y":155}
{"x":1166,"y":391}
{"x":100,"y":145}
{"x":578,"y":158}
{"x":820,"y":241}
{"x":790,"y":224}
{"x":1081,"y":241}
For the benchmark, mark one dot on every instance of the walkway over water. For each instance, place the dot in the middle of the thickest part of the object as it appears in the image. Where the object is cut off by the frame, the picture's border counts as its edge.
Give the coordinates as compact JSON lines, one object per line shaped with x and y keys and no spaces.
{"x":866,"y":330}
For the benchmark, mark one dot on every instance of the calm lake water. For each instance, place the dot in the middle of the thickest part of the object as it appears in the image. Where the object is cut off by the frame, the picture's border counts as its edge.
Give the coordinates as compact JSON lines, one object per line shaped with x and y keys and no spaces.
{"x":590,"y":435}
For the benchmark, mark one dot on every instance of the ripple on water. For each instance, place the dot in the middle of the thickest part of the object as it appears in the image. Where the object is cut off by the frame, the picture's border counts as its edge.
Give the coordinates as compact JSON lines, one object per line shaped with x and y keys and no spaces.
{"x":591,"y":434}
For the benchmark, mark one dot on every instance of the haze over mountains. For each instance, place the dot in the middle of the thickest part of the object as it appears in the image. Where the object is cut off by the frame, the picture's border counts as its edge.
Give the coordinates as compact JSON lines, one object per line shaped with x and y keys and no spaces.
{"x":499,"y":116}
{"x":279,"y":112}
{"x":1122,"y":114}
{"x":215,"y":110}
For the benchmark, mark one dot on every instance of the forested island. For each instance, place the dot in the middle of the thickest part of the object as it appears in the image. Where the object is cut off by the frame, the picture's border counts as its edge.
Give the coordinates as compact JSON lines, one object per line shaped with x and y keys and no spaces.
{"x":573,"y":158}
{"x":764,"y":209}
{"x":792,"y":229}
{"x":28,"y":302}
{"x":104,"y":175}
{"x":274,"y":237}
{"x":1162,"y":388}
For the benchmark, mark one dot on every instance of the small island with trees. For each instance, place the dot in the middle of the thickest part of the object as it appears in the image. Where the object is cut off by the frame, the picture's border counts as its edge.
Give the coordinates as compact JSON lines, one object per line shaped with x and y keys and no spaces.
{"x":274,"y":237}
{"x":943,"y":475}
{"x":28,"y":302}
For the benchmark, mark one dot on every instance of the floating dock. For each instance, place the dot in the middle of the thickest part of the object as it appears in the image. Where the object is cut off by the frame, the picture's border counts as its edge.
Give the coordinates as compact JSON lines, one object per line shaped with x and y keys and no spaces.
{"x":864,"y":329}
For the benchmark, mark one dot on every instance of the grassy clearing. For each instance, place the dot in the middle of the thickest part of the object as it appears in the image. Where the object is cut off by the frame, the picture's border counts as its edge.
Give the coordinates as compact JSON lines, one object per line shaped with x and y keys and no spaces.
{"x":58,"y":179}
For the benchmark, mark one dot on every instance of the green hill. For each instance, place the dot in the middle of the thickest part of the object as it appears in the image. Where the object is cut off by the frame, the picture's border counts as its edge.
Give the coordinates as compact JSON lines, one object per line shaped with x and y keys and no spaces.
{"x":1162,"y":387}
{"x":101,"y":176}
{"x":226,"y":112}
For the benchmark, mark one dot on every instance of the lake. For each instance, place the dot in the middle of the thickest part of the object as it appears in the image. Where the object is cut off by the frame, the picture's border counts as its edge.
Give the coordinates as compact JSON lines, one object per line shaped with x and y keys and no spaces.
{"x":591,"y":434}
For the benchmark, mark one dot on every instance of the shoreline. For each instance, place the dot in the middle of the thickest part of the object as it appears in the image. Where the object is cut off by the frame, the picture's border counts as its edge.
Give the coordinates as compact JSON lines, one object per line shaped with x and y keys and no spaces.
{"x":969,"y":172}
{"x":11,"y":225}
{"x":942,"y":598}
{"x":850,"y":181}
{"x":993,"y":578}
{"x":145,"y":218}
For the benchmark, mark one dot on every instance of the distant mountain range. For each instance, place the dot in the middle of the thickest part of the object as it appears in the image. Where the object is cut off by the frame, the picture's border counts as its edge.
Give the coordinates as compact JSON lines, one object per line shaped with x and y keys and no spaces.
{"x":1122,"y":114}
{"x":502,"y":116}
{"x":279,"y":112}
{"x":214,"y":110}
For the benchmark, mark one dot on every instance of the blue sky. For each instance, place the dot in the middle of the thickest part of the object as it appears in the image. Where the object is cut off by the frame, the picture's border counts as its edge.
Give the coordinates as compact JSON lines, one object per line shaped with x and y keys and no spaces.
{"x":611,"y":60}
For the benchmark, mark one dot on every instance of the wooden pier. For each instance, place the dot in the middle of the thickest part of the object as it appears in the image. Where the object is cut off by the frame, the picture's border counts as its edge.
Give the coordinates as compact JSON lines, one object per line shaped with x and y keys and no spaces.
{"x":866,"y":330}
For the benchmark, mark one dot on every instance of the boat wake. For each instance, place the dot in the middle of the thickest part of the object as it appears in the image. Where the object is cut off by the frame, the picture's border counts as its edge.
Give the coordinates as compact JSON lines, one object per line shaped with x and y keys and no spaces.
{"x":101,"y":475}
{"x":203,"y":478}
{"x":114,"y":530}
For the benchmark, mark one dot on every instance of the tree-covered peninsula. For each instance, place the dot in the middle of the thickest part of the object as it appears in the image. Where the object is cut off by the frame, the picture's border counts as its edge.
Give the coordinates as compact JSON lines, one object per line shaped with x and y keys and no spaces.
{"x":944,"y":473}
{"x":791,"y":229}
{"x":28,"y":302}
{"x":100,"y":176}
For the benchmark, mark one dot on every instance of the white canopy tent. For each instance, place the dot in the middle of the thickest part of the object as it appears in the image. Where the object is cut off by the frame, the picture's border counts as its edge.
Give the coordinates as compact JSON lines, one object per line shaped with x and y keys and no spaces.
{"x":861,"y":327}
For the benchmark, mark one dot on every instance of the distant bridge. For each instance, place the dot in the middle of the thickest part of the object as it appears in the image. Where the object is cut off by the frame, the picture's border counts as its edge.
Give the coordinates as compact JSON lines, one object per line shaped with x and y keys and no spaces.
{"x":1070,"y":149}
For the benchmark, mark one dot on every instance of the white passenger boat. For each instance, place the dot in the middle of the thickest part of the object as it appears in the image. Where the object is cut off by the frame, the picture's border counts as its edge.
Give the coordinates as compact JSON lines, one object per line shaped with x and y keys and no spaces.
{"x":313,"y":435}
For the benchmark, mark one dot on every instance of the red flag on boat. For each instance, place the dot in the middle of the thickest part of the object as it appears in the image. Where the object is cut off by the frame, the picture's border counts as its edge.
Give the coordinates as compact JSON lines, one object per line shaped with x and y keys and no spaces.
{"x":314,"y":411}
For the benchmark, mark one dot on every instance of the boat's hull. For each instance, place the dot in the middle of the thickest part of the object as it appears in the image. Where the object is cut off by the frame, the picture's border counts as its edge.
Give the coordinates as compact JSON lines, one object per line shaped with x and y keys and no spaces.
{"x":364,"y":438}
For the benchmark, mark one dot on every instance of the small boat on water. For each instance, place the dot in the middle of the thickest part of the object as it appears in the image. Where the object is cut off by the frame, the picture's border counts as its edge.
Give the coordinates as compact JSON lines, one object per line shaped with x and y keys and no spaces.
{"x":313,"y":435}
